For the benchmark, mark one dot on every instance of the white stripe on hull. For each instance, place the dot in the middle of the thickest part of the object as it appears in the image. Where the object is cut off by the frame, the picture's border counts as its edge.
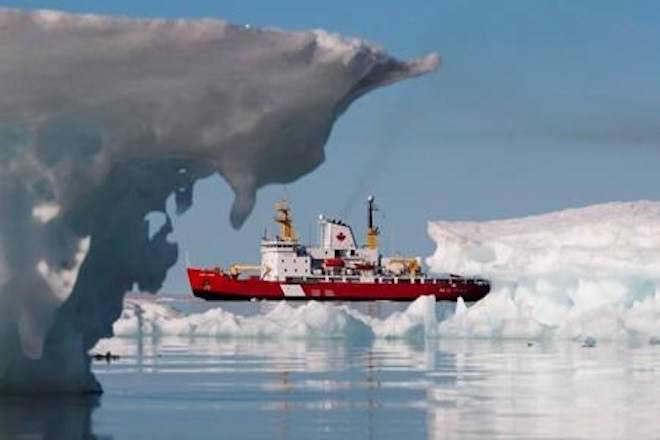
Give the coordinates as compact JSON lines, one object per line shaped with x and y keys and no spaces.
{"x":292,"y":291}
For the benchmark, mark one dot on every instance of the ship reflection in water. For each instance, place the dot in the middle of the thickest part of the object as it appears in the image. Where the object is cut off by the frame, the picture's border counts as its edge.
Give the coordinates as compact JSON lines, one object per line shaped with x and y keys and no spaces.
{"x":207,"y":388}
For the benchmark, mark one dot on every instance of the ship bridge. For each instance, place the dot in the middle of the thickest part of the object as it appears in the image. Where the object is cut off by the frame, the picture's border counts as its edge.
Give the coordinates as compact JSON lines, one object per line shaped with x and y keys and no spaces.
{"x":337,"y":253}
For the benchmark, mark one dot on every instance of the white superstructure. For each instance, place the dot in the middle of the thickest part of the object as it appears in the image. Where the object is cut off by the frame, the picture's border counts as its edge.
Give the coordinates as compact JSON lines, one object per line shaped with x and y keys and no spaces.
{"x":336,"y":256}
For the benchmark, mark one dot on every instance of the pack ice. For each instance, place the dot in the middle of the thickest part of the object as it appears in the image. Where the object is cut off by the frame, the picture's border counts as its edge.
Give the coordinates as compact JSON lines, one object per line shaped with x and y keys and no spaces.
{"x":312,"y":320}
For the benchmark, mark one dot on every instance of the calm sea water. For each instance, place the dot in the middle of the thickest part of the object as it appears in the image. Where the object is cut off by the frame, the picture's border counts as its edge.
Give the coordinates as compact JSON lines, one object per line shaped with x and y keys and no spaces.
{"x":206,"y":388}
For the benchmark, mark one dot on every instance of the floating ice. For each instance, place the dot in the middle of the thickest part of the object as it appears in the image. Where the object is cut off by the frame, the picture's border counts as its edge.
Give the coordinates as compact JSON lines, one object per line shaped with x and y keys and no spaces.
{"x":102,"y":119}
{"x":415,"y":323}
{"x":589,"y":272}
{"x":312,"y":321}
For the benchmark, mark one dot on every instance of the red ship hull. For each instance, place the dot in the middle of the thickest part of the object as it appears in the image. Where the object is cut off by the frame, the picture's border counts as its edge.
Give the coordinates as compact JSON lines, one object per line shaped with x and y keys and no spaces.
{"x":217,"y":286}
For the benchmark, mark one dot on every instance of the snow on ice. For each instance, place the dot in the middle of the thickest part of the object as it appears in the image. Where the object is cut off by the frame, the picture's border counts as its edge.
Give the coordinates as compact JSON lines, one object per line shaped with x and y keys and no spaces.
{"x":575,"y":274}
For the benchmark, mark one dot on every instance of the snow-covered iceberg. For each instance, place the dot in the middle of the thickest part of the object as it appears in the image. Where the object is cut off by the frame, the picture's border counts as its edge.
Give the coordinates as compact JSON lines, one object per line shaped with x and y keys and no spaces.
{"x":587,"y":272}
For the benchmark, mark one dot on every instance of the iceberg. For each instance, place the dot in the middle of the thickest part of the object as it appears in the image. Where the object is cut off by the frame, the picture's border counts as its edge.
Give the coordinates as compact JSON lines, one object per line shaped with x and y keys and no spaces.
{"x":591,"y":272}
{"x":312,"y":320}
{"x":102,"y":119}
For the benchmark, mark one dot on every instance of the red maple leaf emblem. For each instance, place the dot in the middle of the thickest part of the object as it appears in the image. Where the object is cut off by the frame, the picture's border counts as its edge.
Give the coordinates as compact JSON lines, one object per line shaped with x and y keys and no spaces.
{"x":341,"y":236}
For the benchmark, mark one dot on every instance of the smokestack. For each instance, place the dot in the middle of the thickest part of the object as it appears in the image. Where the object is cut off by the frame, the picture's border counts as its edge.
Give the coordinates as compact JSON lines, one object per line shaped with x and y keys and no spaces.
{"x":372,"y":231}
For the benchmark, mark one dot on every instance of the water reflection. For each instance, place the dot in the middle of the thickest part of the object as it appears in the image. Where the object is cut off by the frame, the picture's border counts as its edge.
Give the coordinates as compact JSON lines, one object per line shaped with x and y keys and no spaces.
{"x":295,"y":388}
{"x":336,"y":388}
{"x":47,"y":417}
{"x":288,"y":389}
{"x":551,"y":390}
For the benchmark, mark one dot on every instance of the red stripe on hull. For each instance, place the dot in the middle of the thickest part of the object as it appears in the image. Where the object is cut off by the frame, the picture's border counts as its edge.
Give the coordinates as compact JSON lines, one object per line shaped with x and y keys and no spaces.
{"x":215,"y":286}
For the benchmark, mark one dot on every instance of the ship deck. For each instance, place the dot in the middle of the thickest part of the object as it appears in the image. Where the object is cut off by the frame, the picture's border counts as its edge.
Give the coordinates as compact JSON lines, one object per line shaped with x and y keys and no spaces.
{"x":374,"y":280}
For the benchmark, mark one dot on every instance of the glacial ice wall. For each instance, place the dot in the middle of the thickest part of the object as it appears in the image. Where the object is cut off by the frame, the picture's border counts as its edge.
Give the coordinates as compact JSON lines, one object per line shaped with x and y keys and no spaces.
{"x":590,"y":272}
{"x":102,"y":119}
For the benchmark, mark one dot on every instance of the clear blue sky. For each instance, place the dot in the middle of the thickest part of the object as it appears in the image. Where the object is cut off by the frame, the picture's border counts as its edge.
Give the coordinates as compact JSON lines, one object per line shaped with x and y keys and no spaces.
{"x":540,"y":105}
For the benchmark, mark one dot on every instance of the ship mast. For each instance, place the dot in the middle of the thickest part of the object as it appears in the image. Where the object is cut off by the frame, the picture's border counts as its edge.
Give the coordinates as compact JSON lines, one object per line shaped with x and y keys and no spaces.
{"x":372,"y":231}
{"x":285,"y":219}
